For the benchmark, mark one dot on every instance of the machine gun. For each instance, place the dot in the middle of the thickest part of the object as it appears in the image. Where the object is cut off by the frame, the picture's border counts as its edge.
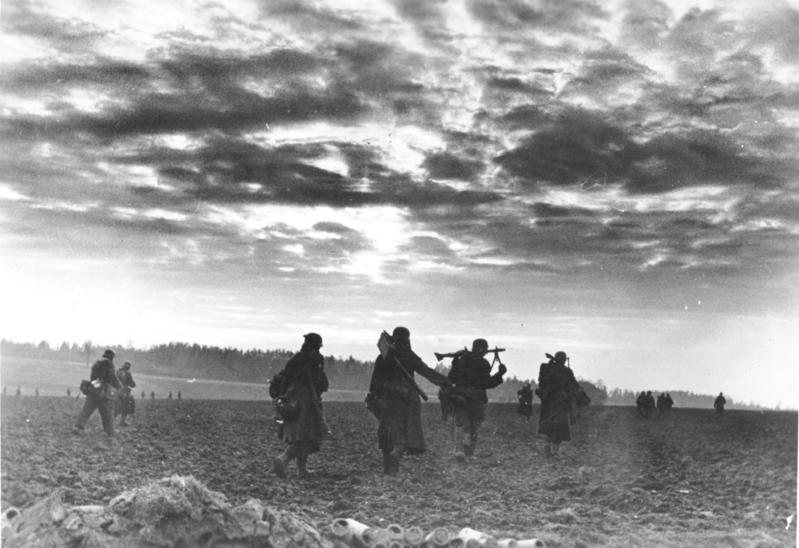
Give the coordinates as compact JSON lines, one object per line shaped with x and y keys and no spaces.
{"x":496,"y":350}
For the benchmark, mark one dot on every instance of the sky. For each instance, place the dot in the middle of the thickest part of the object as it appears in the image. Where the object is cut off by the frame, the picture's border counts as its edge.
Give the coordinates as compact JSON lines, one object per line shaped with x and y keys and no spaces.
{"x":618,"y":180}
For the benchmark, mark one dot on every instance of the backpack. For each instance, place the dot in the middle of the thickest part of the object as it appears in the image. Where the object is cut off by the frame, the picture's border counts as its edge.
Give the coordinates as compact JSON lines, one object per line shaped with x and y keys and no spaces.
{"x":276,"y":384}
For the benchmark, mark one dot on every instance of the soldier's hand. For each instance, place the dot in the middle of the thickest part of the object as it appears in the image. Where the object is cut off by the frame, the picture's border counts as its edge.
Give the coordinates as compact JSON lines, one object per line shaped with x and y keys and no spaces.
{"x":502,"y":369}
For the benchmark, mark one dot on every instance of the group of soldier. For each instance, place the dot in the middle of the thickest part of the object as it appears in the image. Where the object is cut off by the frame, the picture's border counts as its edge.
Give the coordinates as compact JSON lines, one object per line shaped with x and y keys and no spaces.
{"x":646,"y":405}
{"x":395,"y":400}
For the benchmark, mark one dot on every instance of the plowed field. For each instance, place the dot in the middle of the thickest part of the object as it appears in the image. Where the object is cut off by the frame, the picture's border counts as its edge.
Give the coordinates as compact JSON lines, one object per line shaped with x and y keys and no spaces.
{"x":685,"y":480}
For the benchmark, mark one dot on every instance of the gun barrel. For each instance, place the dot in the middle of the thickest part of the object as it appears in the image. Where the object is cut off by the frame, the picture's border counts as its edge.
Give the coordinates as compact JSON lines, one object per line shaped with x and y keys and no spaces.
{"x":496,"y":349}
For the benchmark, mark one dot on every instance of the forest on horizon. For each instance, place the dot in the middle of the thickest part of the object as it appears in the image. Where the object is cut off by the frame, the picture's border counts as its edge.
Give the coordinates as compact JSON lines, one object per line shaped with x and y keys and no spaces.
{"x":259,"y":366}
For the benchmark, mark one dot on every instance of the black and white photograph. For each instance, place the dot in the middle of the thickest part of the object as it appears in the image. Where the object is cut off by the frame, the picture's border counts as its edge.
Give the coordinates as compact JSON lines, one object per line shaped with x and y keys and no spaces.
{"x":399,"y":273}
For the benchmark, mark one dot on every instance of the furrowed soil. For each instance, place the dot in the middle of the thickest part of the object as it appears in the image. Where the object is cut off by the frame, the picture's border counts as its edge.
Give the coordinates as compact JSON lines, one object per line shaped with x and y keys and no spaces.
{"x":682,"y":480}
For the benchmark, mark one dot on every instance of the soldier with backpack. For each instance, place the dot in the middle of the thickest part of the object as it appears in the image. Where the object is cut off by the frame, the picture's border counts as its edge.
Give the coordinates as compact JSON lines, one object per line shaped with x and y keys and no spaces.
{"x":297,"y":391}
{"x":100,"y":391}
{"x":125,"y":404}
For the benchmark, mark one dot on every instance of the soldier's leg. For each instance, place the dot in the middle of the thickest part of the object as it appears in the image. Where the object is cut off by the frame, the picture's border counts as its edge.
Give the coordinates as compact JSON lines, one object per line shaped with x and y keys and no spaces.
{"x":107,"y":415}
{"x":281,"y":461}
{"x":474,"y":427}
{"x":89,"y":405}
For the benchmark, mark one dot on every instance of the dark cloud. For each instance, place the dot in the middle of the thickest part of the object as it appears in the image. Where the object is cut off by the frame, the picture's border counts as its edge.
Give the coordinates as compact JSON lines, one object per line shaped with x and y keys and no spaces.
{"x":445,"y":165}
{"x":66,"y":35}
{"x":578,"y":145}
{"x":553,"y":15}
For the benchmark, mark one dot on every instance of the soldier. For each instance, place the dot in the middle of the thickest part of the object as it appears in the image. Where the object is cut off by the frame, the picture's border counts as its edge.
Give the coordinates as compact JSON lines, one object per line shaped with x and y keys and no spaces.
{"x":69,"y":393}
{"x":143,"y":395}
{"x":556,"y":388}
{"x":125,"y":405}
{"x":525,"y":397}
{"x":471,"y":376}
{"x":152,"y":396}
{"x":303,"y":382}
{"x":103,"y":377}
{"x":718,"y":405}
{"x":180,"y":396}
{"x":400,"y":410}
{"x":170,"y":395}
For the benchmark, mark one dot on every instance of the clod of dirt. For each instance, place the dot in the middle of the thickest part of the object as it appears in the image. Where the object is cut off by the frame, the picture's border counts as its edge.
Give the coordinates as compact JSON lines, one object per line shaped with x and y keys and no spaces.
{"x":174,"y":511}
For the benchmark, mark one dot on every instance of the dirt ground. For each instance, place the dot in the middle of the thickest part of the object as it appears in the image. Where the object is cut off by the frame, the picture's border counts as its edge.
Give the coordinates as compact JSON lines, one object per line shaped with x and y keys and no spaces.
{"x":682,"y":480}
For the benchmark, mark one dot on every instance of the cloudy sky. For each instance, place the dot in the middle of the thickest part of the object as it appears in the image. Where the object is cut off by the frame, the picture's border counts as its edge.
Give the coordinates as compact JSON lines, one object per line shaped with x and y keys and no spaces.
{"x":619,"y":180}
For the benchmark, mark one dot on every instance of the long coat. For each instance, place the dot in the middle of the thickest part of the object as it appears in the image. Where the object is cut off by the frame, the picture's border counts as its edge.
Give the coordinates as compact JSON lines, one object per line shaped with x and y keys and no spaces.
{"x":400,"y":421}
{"x":305,"y":380}
{"x":557,"y":387}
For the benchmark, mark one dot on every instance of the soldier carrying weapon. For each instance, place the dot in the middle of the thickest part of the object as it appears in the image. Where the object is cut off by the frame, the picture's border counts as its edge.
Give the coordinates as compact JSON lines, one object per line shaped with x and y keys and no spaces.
{"x":471,"y":376}
{"x":395,"y":398}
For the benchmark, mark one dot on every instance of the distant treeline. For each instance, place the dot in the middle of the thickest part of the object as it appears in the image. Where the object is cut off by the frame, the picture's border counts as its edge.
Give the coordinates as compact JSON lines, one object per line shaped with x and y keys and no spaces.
{"x":259,"y":366}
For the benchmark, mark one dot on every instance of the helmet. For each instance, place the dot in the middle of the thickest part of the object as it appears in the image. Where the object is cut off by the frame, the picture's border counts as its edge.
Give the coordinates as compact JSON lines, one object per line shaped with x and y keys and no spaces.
{"x":109,"y":354}
{"x":560,"y":356}
{"x":479,"y":345}
{"x":401,"y":334}
{"x":313,"y":340}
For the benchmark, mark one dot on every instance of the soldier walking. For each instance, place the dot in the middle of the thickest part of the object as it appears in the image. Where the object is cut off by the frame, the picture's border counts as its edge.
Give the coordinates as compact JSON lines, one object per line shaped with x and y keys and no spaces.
{"x":104,"y":380}
{"x":718,"y":405}
{"x":303,"y":382}
{"x":397,"y":400}
{"x":126,"y":405}
{"x":471,"y":376}
{"x":556,"y":388}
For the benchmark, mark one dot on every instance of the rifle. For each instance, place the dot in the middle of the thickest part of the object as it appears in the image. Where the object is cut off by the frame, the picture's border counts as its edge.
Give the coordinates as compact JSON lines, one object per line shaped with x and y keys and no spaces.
{"x":384,"y":343}
{"x":496,"y":350}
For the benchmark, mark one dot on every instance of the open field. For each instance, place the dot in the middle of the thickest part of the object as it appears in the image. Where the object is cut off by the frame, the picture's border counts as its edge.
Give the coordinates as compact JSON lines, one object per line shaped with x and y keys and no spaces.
{"x":53,"y":378}
{"x":683,"y":481}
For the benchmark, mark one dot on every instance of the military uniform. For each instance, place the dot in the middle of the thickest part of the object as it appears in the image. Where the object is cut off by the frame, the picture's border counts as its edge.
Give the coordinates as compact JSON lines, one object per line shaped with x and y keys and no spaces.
{"x":470,"y":376}
{"x":400,"y":422}
{"x":125,"y":404}
{"x":557,"y":387}
{"x":525,"y":397}
{"x":304,"y":381}
{"x":104,"y":371}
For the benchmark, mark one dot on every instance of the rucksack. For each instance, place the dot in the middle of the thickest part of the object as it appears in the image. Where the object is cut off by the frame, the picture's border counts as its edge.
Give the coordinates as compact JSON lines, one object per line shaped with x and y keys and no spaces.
{"x":276,"y":384}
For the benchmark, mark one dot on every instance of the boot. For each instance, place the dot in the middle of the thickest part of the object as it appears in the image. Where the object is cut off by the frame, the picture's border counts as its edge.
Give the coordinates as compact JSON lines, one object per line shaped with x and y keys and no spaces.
{"x":302,"y":465}
{"x":280,"y":462}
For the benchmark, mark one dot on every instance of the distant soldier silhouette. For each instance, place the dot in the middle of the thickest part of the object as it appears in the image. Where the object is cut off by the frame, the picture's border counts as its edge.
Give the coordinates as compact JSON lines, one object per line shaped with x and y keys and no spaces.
{"x":170,"y":395}
{"x":301,"y":385}
{"x":668,"y":403}
{"x":718,"y":404}
{"x":557,"y":386}
{"x":525,"y":397}
{"x":100,"y":394}
{"x":396,"y":400}
{"x":125,"y":404}
{"x":152,"y":396}
{"x":180,"y":396}
{"x":143,"y":395}
{"x":19,"y":391}
{"x":36,"y":392}
{"x":471,"y":376}
{"x":69,"y":393}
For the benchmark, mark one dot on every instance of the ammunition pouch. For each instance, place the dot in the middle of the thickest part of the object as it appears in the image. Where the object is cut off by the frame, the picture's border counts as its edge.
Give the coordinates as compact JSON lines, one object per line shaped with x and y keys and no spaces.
{"x":95,"y":388}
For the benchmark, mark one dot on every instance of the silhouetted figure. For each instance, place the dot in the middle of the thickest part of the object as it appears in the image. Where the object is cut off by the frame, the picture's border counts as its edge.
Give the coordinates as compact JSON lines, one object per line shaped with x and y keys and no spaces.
{"x":125,"y":404}
{"x":640,"y":404}
{"x":471,"y":376}
{"x":397,"y":403}
{"x":302,"y":383}
{"x":170,"y":395}
{"x":180,"y":396}
{"x":100,"y":394}
{"x":557,"y":387}
{"x":668,"y":403}
{"x":718,"y":404}
{"x":69,"y":393}
{"x":143,"y":395}
{"x":525,"y":397}
{"x":152,"y":396}
{"x":19,"y":391}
